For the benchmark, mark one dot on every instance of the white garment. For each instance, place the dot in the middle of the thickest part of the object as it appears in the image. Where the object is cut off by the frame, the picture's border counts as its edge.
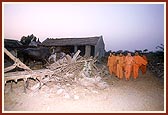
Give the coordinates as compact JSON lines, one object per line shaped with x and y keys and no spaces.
{"x":53,"y":57}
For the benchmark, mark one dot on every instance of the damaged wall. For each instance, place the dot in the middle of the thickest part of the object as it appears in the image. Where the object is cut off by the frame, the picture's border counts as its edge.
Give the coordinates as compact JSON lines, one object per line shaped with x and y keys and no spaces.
{"x":90,"y":46}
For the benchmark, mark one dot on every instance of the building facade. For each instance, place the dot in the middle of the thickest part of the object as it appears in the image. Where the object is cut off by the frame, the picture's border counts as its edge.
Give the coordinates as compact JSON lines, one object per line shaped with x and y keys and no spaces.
{"x":89,"y":46}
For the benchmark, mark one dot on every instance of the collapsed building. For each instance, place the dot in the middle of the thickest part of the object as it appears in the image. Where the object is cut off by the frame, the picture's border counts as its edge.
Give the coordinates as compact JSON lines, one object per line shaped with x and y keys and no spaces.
{"x":12,"y":45}
{"x":77,"y":70}
{"x":89,"y":46}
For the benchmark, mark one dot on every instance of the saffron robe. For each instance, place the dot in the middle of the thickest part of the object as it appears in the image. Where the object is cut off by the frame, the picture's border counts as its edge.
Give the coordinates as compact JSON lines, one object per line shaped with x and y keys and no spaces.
{"x":111,"y":64}
{"x":138,"y":61}
{"x":120,"y":63}
{"x":128,"y":66}
{"x":143,"y":67}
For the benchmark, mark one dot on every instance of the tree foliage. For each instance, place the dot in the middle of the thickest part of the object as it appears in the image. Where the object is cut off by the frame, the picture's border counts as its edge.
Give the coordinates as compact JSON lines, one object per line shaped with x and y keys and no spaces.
{"x":26,"y":40}
{"x":161,"y":46}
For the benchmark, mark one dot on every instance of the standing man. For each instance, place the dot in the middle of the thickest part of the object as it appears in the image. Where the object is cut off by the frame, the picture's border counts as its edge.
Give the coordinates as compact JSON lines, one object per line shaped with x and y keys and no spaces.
{"x":120,"y":63}
{"x":114,"y":63}
{"x":143,"y":67}
{"x":128,"y":65}
{"x":138,"y":61}
{"x":111,"y":62}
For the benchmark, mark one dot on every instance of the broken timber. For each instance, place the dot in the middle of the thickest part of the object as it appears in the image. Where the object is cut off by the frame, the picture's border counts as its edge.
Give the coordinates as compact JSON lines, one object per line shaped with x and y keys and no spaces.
{"x":17,"y":62}
{"x":69,"y":69}
{"x":25,"y":75}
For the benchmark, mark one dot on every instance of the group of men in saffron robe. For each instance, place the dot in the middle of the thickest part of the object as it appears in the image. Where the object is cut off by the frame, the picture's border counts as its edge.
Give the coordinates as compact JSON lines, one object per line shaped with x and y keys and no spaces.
{"x":126,"y":66}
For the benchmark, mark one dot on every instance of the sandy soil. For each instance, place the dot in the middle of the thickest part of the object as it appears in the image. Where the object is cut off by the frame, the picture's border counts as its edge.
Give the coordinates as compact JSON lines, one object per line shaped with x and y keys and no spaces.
{"x":146,"y":93}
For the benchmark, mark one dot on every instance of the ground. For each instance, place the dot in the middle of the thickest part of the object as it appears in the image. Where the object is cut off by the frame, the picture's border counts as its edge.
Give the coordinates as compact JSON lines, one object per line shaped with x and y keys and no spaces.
{"x":146,"y":93}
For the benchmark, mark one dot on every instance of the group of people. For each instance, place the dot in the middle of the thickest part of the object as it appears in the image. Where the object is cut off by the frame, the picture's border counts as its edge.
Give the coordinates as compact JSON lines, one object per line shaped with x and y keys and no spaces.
{"x":126,"y":66}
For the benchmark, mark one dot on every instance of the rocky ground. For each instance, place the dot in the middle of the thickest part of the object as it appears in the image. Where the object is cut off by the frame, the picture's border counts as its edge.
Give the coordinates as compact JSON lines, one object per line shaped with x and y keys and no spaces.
{"x":146,"y":93}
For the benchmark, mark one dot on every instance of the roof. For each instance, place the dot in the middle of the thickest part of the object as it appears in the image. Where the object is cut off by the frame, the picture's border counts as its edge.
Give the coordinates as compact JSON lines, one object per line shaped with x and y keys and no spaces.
{"x":71,"y":41}
{"x":12,"y":43}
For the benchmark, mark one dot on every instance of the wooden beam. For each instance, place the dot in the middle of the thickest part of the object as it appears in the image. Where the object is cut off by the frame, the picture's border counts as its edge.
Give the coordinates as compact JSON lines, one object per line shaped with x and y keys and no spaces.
{"x":9,"y":68}
{"x":17,"y":62}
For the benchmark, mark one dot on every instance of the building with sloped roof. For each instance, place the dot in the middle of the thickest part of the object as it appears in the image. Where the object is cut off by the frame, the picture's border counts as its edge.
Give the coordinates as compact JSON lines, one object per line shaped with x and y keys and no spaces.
{"x":89,"y":46}
{"x":10,"y":43}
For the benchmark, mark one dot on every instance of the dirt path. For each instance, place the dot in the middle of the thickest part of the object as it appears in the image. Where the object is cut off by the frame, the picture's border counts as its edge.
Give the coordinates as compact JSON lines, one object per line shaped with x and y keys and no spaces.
{"x":143,"y":94}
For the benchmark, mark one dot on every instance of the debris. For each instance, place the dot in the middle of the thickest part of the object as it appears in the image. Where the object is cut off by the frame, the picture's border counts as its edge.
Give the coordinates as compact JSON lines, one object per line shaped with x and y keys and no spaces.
{"x":156,"y":64}
{"x":66,"y":73}
{"x":76,"y":97}
{"x":59,"y":91}
{"x":17,"y":62}
{"x":66,"y":95}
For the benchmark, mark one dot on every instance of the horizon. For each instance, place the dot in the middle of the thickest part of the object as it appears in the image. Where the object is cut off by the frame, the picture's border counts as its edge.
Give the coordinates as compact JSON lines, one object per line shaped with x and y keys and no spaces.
{"x":105,"y":49}
{"x":123,"y":26}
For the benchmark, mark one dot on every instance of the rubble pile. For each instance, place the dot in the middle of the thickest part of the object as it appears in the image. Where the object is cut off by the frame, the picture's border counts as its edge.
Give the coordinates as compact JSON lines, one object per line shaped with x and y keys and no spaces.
{"x":66,"y":74}
{"x":69,"y":73}
{"x":156,"y":64}
{"x":157,"y":68}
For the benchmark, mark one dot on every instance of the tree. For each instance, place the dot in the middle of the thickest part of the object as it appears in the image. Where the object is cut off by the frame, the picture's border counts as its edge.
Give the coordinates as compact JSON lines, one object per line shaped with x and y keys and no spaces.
{"x":160,"y":47}
{"x":139,"y":51}
{"x":26,"y":40}
{"x":145,"y":50}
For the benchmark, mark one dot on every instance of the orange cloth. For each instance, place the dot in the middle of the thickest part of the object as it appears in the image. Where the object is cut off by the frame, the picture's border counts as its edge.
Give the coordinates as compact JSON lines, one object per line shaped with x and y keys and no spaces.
{"x":124,"y":63}
{"x":138,"y":61}
{"x":128,"y":66}
{"x":111,"y":64}
{"x":143,"y":67}
{"x":120,"y":63}
{"x":114,"y":65}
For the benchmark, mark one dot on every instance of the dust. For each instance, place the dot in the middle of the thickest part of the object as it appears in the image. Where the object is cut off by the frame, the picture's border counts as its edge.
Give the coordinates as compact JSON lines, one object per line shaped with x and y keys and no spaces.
{"x":146,"y":93}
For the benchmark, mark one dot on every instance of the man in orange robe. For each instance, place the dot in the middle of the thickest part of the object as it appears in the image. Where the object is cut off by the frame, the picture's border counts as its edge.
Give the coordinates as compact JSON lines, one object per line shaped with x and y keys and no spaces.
{"x":120,"y":63}
{"x":143,"y":67}
{"x":128,"y":66}
{"x":138,"y":61}
{"x":110,"y":63}
{"x":114,"y":63}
